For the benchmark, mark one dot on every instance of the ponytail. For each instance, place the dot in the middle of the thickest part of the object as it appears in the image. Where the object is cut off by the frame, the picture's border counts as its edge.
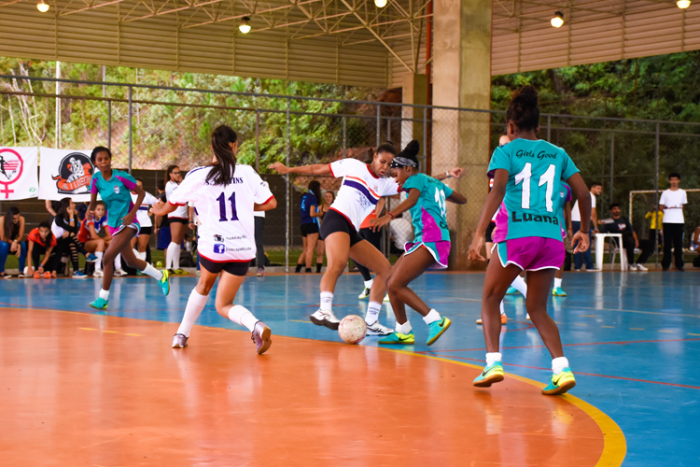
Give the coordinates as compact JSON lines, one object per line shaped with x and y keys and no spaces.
{"x":222,"y":172}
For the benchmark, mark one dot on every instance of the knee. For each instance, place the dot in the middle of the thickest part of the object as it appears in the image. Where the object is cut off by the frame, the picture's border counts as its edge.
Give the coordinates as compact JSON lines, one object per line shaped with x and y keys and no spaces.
{"x":393,"y":285}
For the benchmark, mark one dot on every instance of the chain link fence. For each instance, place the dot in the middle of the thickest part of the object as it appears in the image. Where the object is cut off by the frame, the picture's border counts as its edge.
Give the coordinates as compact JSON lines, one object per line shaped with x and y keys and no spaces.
{"x":151,"y":127}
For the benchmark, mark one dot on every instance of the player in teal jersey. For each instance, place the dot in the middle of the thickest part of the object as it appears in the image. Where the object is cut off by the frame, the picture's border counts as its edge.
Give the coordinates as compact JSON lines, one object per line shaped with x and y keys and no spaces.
{"x":115,"y":187}
{"x":427,"y":201}
{"x":527,"y":175}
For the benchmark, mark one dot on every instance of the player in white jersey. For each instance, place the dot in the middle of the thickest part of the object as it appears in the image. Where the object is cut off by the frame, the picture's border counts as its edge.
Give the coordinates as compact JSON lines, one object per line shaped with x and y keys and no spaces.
{"x":225,"y":195}
{"x":143,"y":216}
{"x":178,"y":220}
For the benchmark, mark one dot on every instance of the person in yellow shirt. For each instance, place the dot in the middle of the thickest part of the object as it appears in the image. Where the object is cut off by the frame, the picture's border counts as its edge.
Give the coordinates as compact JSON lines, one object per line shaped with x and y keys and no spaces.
{"x":656,"y":218}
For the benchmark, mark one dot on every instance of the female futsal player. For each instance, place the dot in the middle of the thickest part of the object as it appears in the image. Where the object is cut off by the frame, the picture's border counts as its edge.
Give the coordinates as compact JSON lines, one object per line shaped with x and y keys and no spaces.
{"x":309,"y":224}
{"x":178,"y":219}
{"x":225,"y":196}
{"x":430,"y":248}
{"x":114,"y":186}
{"x":143,"y":216}
{"x":527,"y":173}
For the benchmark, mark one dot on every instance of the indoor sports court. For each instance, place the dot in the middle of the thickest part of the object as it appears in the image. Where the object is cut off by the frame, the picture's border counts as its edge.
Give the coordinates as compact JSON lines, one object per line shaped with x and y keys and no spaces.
{"x":86,"y":388}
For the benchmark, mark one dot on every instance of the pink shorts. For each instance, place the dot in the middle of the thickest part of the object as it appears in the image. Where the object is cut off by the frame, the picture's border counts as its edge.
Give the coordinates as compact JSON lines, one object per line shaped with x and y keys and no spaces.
{"x":115,"y":230}
{"x":532,"y":253}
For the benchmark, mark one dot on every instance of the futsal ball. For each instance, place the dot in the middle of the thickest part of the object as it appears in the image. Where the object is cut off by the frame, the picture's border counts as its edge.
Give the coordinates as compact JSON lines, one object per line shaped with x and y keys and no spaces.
{"x":352,"y":329}
{"x":159,"y":264}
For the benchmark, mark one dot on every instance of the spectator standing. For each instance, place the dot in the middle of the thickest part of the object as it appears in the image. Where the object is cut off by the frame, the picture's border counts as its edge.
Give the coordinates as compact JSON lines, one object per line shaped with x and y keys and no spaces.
{"x":162,"y":225}
{"x":309,"y":224}
{"x":672,"y":202}
{"x":579,"y":258}
{"x":618,"y":224}
{"x":328,"y":199}
{"x":11,"y":234}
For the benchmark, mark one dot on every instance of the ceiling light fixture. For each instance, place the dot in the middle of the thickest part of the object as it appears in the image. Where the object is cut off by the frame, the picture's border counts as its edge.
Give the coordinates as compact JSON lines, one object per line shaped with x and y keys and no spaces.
{"x":43,"y":7}
{"x":558,"y":19}
{"x":683,"y":4}
{"x":244,"y":27}
{"x":380,"y":3}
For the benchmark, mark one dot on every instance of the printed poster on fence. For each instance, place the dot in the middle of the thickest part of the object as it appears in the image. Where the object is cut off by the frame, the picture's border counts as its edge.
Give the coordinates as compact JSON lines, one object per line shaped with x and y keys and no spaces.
{"x":18,"y":173}
{"x":65,"y":173}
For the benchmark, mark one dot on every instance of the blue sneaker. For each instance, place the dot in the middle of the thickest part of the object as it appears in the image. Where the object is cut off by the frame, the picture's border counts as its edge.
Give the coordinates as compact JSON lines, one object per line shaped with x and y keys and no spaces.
{"x":491,"y":374}
{"x":558,"y":292}
{"x":79,"y":275}
{"x":396,"y":338}
{"x":560,"y":383}
{"x":511,"y":290}
{"x":100,"y":303}
{"x":164,"y":282}
{"x":90,"y":258}
{"x":436,"y":328}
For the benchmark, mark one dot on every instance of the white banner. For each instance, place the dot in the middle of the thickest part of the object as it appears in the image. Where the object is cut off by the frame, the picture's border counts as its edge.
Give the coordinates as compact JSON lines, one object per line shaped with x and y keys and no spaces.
{"x":18,"y":173}
{"x":65,"y":173}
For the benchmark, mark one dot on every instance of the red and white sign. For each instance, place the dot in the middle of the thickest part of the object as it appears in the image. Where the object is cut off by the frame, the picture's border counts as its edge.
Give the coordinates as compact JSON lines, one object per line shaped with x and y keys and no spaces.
{"x":18,"y":173}
{"x":65,"y":173}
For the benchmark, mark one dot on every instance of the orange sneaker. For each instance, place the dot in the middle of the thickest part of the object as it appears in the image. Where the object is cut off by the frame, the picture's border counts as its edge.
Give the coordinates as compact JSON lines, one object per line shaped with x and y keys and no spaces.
{"x":504,"y":319}
{"x":47,"y":275}
{"x":37,"y":275}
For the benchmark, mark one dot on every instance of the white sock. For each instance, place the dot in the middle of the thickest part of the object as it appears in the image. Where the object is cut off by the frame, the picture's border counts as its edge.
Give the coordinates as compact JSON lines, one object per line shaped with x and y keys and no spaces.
{"x":241,"y":315}
{"x":104,"y":294}
{"x":195,"y":305}
{"x":503,"y":308}
{"x":432,"y":316}
{"x":142,"y":256}
{"x":372,"y":316}
{"x":404,"y":328}
{"x":492,"y":358}
{"x":118,"y":261}
{"x":153,"y":272}
{"x":557,"y":282}
{"x":326,"y":301}
{"x":98,"y":263}
{"x":519,"y":283}
{"x":558,"y":364}
{"x":368,"y":284}
{"x":176,"y":256}
{"x":171,"y":253}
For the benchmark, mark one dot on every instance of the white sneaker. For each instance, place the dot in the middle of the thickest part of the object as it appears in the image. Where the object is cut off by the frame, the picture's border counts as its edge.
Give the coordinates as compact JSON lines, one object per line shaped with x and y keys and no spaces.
{"x":377,"y":329}
{"x":364,"y":294}
{"x":641,"y":267}
{"x":119,"y":273}
{"x":386,"y":299}
{"x":527,"y":317}
{"x":98,"y":273}
{"x":633,"y":267}
{"x":593,"y":270}
{"x":325,"y":318}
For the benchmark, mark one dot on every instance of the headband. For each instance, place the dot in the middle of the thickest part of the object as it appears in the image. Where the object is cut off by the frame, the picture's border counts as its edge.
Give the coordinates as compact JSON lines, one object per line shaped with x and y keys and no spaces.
{"x":399,"y":162}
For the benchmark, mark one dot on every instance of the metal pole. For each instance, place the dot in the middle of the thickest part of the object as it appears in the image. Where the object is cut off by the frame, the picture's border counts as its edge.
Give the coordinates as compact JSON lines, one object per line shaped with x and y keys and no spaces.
{"x":612,"y":168}
{"x":345,"y":137}
{"x":286,"y":184}
{"x":257,"y":140}
{"x":388,"y":132}
{"x":109,"y":125}
{"x":656,"y":202}
{"x":425,"y":141}
{"x":131,"y":124}
{"x":379,"y":123}
{"x":58,"y":105}
{"x":549,"y":129}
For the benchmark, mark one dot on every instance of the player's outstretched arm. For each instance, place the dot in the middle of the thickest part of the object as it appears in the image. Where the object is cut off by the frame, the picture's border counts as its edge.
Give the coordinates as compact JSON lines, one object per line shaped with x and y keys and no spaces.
{"x":405,"y":205}
{"x":457,"y":198}
{"x":313,"y":169}
{"x":455,"y":172}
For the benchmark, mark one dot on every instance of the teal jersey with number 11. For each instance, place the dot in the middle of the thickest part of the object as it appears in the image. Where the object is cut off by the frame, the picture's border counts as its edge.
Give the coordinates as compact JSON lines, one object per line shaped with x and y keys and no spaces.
{"x":535,"y":173}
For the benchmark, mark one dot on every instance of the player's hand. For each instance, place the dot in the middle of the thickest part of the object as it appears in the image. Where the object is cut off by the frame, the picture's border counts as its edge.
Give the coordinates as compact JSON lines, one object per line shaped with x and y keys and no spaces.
{"x":377,"y":224}
{"x":90,"y":215}
{"x":128,"y":219}
{"x":40,"y":270}
{"x":191,"y":225}
{"x":583,"y":242}
{"x":456,"y":172}
{"x":14,"y":247}
{"x":475,"y":249}
{"x":279,"y":168}
{"x":157,"y":208}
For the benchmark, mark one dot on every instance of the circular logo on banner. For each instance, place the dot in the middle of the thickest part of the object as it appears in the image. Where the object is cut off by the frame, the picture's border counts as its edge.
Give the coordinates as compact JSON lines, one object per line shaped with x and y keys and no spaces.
{"x":11,"y":167}
{"x":74,"y":174}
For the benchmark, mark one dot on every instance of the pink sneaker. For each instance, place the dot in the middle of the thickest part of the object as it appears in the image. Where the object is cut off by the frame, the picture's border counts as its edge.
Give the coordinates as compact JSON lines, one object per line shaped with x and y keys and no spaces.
{"x":261,"y":337}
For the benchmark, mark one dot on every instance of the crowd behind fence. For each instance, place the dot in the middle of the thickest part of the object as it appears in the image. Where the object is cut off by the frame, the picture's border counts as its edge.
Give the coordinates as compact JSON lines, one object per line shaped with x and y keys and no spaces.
{"x":149,"y":127}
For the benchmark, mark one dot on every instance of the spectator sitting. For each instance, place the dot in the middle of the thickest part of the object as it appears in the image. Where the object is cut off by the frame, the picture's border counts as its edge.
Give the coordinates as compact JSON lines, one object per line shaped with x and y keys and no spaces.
{"x":656,"y":218}
{"x":41,"y":241}
{"x":619,"y":224}
{"x":695,"y":240}
{"x":89,"y":236}
{"x":65,"y":228}
{"x":11,"y":234}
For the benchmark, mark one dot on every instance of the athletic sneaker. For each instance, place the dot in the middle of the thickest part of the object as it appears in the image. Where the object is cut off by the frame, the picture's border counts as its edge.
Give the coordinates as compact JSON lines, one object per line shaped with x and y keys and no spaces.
{"x":79,"y":275}
{"x":504,"y":320}
{"x":436,"y":328}
{"x":179,"y":341}
{"x":48,"y":275}
{"x":641,"y":267}
{"x":90,"y":258}
{"x":99,"y":303}
{"x":396,"y":338}
{"x":261,"y":336}
{"x":632,"y":267}
{"x":377,"y":329}
{"x":558,"y":292}
{"x":120,"y":273}
{"x":364,"y":294}
{"x":593,"y":270}
{"x":527,"y":317}
{"x":491,"y":374}
{"x":386,"y":298}
{"x":511,"y":290}
{"x":261,"y":272}
{"x":164,"y":283}
{"x":37,"y":275}
{"x":180,"y":272}
{"x":325,"y":318}
{"x":98,"y":273}
{"x":560,"y":383}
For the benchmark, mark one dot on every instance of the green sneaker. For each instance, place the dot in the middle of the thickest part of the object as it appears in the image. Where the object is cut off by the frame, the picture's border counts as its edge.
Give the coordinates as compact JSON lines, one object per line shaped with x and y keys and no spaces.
{"x":164,"y":282}
{"x":396,"y":338}
{"x":100,"y":303}
{"x":511,"y":290}
{"x":558,"y":292}
{"x":560,"y":383}
{"x":436,"y":328}
{"x":491,"y":374}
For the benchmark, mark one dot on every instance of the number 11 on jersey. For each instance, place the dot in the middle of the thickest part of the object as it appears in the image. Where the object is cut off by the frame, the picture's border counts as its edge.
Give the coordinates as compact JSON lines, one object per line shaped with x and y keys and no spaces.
{"x":546,"y":178}
{"x":222,"y":207}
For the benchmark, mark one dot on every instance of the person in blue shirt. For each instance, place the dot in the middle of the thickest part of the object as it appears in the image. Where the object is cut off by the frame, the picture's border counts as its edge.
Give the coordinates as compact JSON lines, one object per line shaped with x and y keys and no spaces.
{"x":427,"y":201}
{"x":115,"y":187}
{"x":309,"y":224}
{"x":527,"y":175}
